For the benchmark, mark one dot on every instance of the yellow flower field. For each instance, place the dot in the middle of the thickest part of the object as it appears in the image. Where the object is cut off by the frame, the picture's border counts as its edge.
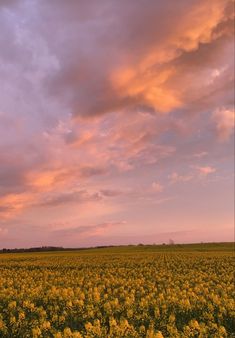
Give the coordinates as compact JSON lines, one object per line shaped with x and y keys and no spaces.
{"x":142,"y":291}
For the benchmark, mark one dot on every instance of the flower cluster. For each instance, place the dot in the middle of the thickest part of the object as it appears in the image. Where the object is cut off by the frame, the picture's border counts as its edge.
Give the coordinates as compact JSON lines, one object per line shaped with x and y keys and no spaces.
{"x":117,"y":293}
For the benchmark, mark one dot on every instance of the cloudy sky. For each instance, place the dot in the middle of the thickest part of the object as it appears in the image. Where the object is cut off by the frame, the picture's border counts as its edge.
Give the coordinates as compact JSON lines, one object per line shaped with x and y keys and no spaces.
{"x":116,"y":121}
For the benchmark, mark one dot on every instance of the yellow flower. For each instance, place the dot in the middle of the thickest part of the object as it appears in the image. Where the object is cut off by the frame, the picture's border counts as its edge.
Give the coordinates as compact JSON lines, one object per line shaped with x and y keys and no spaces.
{"x":12,"y":305}
{"x":36,"y":332}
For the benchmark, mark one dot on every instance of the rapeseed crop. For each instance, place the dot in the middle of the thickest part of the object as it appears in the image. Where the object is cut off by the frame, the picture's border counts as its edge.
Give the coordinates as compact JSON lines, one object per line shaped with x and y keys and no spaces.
{"x":117,"y":293}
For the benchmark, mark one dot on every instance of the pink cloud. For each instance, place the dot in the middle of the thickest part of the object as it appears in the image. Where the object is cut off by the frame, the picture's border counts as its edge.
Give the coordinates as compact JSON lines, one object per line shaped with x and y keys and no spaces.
{"x":175,"y":177}
{"x":3,"y":232}
{"x":224,"y":121}
{"x":157,"y":187}
{"x":124,"y":94}
{"x":200,"y":154}
{"x":206,"y":170}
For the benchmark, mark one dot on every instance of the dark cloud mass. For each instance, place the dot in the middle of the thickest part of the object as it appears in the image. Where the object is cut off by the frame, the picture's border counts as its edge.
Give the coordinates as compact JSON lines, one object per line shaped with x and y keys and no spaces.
{"x":120,"y":56}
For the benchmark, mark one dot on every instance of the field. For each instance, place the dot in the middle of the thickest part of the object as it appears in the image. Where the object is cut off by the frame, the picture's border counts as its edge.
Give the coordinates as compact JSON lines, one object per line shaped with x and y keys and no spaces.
{"x":137,"y":291}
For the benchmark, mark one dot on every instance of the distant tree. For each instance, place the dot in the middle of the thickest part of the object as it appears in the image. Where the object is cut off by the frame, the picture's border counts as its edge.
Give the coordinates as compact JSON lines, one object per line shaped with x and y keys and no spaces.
{"x":171,"y":242}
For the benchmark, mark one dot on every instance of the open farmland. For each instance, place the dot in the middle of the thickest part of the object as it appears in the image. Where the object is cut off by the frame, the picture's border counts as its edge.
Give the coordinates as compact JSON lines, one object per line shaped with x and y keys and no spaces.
{"x":143,"y":291}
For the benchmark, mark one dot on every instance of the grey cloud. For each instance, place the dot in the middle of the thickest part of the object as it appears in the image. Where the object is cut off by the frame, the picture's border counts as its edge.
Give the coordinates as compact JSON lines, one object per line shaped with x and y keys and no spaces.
{"x":77,"y":197}
{"x":93,"y":39}
{"x":89,"y":171}
{"x":85,"y":230}
{"x":111,"y":193}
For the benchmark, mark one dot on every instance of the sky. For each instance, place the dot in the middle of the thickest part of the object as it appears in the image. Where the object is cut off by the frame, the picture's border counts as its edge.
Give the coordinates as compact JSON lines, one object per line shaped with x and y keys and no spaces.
{"x":116,"y":122}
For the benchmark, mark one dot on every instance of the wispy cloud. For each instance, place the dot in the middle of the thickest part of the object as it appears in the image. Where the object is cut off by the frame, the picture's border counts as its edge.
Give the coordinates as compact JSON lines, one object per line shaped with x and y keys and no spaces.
{"x":206,"y":170}
{"x":224,"y":120}
{"x":157,"y":187}
{"x":175,"y":178}
{"x":88,"y":230}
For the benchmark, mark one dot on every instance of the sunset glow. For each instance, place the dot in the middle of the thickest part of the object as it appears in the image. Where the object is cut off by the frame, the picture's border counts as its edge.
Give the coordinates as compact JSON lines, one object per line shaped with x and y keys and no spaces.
{"x":116,"y":122}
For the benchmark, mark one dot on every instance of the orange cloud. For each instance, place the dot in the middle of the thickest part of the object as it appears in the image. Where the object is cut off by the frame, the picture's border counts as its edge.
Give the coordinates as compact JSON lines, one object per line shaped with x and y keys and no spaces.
{"x":154,"y":80}
{"x":146,"y":86}
{"x":13,"y":204}
{"x":46,"y":180}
